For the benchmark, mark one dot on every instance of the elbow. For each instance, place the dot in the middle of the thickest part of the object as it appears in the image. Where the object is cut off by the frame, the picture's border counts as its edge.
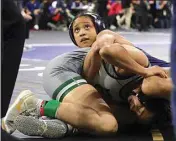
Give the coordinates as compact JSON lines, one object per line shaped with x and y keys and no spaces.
{"x":108,"y":52}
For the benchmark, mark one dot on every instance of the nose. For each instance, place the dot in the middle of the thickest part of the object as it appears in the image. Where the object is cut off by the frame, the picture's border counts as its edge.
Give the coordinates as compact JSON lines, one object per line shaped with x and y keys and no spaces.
{"x":82,"y":33}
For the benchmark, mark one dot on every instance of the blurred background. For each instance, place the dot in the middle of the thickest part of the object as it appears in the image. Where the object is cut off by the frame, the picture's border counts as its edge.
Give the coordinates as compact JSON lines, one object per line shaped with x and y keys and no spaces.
{"x":141,"y":15}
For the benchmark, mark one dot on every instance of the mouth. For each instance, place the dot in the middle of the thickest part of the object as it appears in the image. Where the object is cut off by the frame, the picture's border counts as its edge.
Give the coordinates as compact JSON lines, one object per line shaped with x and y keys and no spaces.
{"x":135,"y":105}
{"x":84,"y":39}
{"x":138,"y":108}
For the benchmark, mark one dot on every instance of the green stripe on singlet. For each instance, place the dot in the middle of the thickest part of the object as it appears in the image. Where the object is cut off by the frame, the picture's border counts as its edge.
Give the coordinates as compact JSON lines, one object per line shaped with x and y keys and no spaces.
{"x":56,"y":92}
{"x":70,"y":89}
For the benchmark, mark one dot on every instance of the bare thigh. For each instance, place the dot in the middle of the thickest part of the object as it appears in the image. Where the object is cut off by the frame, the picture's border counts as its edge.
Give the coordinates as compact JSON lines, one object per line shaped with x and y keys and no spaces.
{"x":84,"y":108}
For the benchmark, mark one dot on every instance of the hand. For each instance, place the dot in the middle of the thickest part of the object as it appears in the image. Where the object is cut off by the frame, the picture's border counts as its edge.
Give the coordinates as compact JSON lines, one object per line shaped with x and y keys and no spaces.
{"x":26,"y":16}
{"x":157,"y":71}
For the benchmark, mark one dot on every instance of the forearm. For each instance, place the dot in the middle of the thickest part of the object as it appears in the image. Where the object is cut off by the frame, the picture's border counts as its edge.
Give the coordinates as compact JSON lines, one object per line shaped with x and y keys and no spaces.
{"x":119,"y":56}
{"x":91,"y":66}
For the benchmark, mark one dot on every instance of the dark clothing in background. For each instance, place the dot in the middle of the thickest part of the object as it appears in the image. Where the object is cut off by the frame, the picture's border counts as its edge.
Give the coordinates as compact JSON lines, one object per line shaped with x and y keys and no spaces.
{"x":13,"y":36}
{"x":61,"y":4}
{"x":19,"y":4}
{"x":173,"y":66}
{"x":102,"y":10}
{"x":143,"y":16}
{"x":45,"y":16}
{"x":126,"y":3}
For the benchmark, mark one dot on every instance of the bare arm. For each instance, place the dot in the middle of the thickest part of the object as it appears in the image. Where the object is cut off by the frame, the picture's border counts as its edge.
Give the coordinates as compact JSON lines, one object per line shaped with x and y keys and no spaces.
{"x":130,"y":60}
{"x":92,"y":64}
{"x":119,"y":52}
{"x":105,"y":39}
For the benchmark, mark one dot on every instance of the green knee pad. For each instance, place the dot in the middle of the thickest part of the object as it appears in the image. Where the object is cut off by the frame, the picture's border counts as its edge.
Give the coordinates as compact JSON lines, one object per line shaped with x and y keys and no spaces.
{"x":50,"y":108}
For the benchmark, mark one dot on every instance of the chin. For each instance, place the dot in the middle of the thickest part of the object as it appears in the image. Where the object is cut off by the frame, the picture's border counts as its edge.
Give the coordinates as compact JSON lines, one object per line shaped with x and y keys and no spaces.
{"x":85,"y":45}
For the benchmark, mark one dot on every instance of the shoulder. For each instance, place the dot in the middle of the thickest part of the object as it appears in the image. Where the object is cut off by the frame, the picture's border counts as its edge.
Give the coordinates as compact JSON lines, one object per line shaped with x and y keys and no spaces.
{"x":108,"y":32}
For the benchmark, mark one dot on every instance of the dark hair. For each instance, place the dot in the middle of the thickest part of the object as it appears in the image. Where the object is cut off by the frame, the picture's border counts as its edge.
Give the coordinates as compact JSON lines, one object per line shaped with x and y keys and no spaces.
{"x":96,"y":19}
{"x":161,"y":109}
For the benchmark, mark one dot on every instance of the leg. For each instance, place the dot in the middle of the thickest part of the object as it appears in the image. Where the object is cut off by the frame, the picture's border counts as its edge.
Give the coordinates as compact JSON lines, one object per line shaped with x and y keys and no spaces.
{"x":24,"y":114}
{"x":79,"y":99}
{"x":128,"y":15}
{"x":89,"y":111}
{"x":83,"y":108}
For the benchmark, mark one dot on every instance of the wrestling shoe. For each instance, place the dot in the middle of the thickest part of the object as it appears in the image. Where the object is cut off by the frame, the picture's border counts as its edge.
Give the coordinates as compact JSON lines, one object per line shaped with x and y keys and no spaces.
{"x":48,"y":128}
{"x":26,"y":104}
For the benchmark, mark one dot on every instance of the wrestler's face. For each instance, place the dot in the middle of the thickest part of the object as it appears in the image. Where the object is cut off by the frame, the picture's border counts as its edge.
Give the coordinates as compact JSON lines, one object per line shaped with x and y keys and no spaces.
{"x":84,"y":32}
{"x":140,"y":110}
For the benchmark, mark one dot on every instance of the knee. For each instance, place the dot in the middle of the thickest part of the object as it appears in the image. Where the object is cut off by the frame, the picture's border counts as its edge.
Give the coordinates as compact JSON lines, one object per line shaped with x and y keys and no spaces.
{"x":108,"y":125}
{"x":105,"y":51}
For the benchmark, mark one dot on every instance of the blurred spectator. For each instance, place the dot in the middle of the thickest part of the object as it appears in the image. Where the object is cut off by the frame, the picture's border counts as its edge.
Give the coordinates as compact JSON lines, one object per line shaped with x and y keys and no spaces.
{"x":152,"y":10}
{"x":127,"y":7}
{"x":142,"y":16}
{"x":102,"y":10}
{"x":115,"y":9}
{"x":76,"y":7}
{"x":163,"y":14}
{"x":33,"y":9}
{"x":61,"y":15}
{"x":27,"y":17}
{"x":135,"y":15}
{"x":88,"y":5}
{"x":45,"y":15}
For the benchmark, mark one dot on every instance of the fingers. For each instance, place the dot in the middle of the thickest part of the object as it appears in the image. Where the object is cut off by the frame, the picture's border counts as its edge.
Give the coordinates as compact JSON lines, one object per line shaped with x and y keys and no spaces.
{"x":163,"y":74}
{"x":160,"y":72}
